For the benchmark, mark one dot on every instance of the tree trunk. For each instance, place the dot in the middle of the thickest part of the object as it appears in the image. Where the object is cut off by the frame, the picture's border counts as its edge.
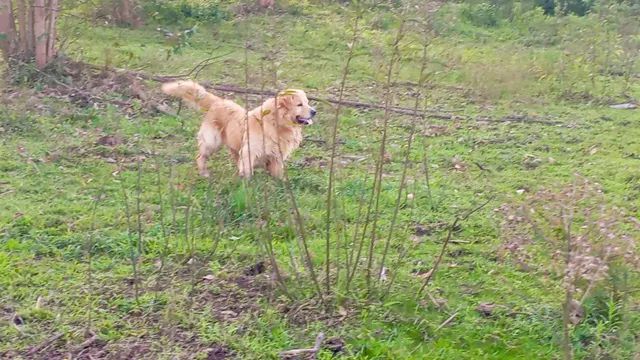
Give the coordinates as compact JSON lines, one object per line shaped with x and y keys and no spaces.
{"x":22,"y":24}
{"x":7,"y":34}
{"x":29,"y":34}
{"x":35,"y":32}
{"x":51,"y":36}
{"x":39,"y":32}
{"x":125,"y":13}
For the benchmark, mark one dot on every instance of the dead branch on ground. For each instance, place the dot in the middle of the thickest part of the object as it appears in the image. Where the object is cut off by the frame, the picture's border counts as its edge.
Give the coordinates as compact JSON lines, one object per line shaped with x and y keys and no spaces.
{"x":427,"y":113}
{"x":44,"y":344}
{"x":292,"y":354}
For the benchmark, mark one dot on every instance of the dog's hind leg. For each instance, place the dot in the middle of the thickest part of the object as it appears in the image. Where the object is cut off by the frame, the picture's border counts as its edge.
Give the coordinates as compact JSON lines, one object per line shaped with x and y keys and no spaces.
{"x":209,"y":141}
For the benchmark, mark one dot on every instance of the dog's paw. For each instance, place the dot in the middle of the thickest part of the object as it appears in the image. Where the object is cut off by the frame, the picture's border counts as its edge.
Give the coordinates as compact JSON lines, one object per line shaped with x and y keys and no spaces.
{"x":205,"y":173}
{"x":245,"y":173}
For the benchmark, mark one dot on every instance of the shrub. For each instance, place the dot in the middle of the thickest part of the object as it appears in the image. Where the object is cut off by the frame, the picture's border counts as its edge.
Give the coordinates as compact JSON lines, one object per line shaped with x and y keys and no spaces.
{"x":489,"y":13}
{"x":586,"y":243}
{"x":576,"y":7}
{"x":482,"y":14}
{"x":170,"y":12}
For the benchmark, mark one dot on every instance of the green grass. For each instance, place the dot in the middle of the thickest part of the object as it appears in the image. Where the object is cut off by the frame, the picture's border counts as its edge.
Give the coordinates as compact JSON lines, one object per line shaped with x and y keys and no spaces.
{"x":51,"y":169}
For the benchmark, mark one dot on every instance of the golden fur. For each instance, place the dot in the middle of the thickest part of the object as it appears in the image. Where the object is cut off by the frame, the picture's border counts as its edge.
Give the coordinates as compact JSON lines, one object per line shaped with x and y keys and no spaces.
{"x":274,"y":131}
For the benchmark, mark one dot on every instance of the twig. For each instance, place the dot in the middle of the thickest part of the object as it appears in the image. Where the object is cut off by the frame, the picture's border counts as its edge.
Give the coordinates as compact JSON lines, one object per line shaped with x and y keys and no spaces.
{"x":351,"y":261}
{"x":163,"y":227}
{"x":446,"y":243}
{"x":334,"y":137}
{"x":460,"y":242}
{"x":313,"y":351}
{"x":295,"y":215}
{"x":435,"y":302}
{"x":90,"y":259}
{"x":45,"y":344}
{"x":196,"y":69}
{"x":396,"y":57}
{"x":7,"y":192}
{"x":85,"y":344}
{"x":138,"y":210}
{"x":132,"y":251}
{"x":446,"y":322}
{"x":403,"y":177}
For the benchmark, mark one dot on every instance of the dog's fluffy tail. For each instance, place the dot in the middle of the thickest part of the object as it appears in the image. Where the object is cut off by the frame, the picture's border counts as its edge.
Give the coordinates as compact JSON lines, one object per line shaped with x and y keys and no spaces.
{"x":192,"y":92}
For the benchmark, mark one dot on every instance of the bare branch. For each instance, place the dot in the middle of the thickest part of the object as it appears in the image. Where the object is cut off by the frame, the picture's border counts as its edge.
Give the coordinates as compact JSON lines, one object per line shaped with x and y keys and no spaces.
{"x":447,"y":241}
{"x":312,"y":351}
{"x":44,"y":344}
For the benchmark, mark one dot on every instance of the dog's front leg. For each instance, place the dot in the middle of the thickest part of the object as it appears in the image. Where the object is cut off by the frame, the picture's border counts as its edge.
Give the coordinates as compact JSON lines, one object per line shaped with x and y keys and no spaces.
{"x":275,"y":167}
{"x":246,"y":162}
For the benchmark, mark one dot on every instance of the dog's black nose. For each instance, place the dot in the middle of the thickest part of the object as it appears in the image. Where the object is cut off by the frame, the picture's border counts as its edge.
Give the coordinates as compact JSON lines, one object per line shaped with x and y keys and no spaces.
{"x":313,"y":112}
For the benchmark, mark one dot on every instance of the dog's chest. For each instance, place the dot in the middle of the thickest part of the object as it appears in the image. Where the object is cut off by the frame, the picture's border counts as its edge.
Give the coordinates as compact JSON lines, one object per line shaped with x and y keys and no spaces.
{"x":285,"y":143}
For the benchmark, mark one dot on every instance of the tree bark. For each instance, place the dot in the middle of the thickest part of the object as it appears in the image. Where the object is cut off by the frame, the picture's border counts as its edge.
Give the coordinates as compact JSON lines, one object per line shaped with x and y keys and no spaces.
{"x":29,"y":29}
{"x":29,"y":49}
{"x":7,"y":34}
{"x":39,"y":32}
{"x":125,"y":13}
{"x":51,"y":36}
{"x":22,"y":25}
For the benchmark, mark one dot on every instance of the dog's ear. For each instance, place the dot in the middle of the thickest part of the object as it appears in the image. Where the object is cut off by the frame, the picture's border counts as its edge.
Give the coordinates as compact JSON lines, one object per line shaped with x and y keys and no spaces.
{"x":285,"y":98}
{"x":285,"y":101}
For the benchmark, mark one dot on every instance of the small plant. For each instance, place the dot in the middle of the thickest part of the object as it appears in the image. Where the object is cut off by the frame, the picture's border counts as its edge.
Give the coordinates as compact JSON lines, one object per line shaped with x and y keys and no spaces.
{"x":177,"y":41}
{"x":585,"y":239}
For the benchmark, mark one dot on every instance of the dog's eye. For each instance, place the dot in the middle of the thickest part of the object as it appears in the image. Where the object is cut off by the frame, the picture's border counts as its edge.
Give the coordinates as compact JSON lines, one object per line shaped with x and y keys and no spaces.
{"x":300,"y":104}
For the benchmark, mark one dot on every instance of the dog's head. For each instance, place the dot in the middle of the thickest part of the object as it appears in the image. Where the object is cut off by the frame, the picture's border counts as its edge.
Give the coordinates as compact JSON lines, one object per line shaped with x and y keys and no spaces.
{"x":295,"y":107}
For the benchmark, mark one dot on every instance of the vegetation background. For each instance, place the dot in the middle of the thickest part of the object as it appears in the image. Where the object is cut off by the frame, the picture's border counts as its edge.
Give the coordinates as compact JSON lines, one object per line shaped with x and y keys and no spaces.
{"x":469,"y":190}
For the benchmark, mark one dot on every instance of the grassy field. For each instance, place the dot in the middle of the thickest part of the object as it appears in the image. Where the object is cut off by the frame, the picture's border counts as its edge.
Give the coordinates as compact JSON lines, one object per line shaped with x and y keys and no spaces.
{"x":85,"y":187}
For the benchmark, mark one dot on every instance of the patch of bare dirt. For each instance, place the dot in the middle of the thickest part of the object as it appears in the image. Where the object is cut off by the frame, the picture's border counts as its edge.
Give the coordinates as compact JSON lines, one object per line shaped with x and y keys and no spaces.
{"x":233,"y":298}
{"x":436,"y":130}
{"x":219,"y":352}
{"x":429,"y":229}
{"x":143,"y":347}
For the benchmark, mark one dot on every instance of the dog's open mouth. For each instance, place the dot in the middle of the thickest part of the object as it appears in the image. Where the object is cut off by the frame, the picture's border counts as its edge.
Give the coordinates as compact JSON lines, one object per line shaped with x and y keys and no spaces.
{"x":303,"y":120}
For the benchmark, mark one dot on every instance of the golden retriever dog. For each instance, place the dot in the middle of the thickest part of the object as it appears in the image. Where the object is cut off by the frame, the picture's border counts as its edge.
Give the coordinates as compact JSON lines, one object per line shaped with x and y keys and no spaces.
{"x":263,"y":137}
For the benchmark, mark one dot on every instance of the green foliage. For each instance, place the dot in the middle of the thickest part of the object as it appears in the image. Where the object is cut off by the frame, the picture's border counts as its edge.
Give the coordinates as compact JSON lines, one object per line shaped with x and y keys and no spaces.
{"x":178,"y":41}
{"x":181,"y":12}
{"x":576,"y":7}
{"x":12,"y":123}
{"x":482,"y":14}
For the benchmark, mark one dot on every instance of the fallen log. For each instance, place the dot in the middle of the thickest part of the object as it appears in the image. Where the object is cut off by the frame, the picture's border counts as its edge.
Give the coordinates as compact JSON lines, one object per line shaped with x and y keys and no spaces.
{"x":427,"y":113}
